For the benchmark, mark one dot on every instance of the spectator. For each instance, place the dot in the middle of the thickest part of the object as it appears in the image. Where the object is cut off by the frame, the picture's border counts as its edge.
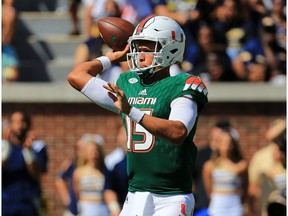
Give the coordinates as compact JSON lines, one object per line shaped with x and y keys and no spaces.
{"x":204,"y":154}
{"x":259,"y":188}
{"x":239,"y":41}
{"x":117,"y":185}
{"x":64,"y":183}
{"x":94,"y":45}
{"x":181,"y":12}
{"x":218,"y":67}
{"x":64,"y":180}
{"x":274,"y":53}
{"x":205,"y":44}
{"x":89,"y":181}
{"x":258,"y":6}
{"x":10,"y":63}
{"x":186,"y":14}
{"x":134,"y":12}
{"x":225,"y":178}
{"x":73,"y":9}
{"x":234,"y":27}
{"x":252,"y":18}
{"x":88,"y":50}
{"x":96,"y":9}
{"x":207,"y":10}
{"x":277,"y":175}
{"x":258,"y":70}
{"x":241,"y":35}
{"x":227,"y":16}
{"x":279,"y":17}
{"x":252,"y":68}
{"x":24,"y":160}
{"x":93,"y":48}
{"x":261,"y":60}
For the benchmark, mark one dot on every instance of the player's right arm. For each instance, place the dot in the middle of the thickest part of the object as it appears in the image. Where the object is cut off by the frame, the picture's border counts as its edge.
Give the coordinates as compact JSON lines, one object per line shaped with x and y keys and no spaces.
{"x":81,"y":74}
{"x":83,"y":78}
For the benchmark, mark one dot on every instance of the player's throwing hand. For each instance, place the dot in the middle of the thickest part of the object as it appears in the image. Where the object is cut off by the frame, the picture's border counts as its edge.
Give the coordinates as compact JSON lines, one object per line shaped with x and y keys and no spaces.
{"x":119,"y":98}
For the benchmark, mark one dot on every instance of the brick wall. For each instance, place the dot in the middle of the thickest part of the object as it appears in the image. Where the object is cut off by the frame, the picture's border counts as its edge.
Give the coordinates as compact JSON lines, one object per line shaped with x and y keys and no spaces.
{"x":60,"y":125}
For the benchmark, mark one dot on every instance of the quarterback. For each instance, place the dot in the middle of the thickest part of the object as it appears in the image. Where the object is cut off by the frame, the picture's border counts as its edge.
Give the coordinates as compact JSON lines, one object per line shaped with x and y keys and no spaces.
{"x":160,"y":114}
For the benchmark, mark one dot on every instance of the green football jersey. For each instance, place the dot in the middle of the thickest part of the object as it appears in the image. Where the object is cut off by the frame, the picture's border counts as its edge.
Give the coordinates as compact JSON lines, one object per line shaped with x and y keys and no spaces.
{"x":154,"y":164}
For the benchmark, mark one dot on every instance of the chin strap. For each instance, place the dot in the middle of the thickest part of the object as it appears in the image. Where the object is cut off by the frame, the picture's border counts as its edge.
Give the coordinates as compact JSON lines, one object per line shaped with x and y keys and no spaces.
{"x":145,"y":74}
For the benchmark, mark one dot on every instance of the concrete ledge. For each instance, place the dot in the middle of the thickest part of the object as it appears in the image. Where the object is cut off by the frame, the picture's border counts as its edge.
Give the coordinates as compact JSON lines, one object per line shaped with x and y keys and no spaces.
{"x":56,"y":38}
{"x":62,"y":92}
{"x":38,"y":15}
{"x":246,"y":92}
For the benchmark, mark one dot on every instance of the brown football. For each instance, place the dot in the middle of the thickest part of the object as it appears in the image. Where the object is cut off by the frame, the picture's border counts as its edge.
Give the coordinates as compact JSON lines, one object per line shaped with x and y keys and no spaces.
{"x":115,"y":32}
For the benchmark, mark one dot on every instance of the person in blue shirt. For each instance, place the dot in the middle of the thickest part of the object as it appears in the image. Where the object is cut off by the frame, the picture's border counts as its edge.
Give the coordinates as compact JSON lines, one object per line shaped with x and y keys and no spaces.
{"x":116,"y":186}
{"x":24,"y":160}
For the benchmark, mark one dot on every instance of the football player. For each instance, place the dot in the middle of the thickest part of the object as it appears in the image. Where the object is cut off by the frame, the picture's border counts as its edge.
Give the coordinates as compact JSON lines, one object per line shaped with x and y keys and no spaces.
{"x":160,"y":114}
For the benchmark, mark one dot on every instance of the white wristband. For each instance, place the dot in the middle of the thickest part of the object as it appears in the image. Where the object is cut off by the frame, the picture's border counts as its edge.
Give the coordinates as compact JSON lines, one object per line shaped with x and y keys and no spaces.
{"x":105,"y":61}
{"x":28,"y":155}
{"x":136,"y":114}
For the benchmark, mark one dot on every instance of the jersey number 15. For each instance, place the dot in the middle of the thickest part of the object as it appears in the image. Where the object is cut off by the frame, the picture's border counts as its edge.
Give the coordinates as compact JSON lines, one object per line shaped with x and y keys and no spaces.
{"x":140,"y":145}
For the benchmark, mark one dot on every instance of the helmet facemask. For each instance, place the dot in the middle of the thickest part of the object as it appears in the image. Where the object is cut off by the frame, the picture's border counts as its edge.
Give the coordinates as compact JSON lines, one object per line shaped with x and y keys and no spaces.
{"x":134,"y":56}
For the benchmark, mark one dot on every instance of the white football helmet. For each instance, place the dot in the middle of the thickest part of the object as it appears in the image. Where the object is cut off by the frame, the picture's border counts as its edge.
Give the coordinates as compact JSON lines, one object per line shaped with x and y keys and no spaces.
{"x":169,"y":41}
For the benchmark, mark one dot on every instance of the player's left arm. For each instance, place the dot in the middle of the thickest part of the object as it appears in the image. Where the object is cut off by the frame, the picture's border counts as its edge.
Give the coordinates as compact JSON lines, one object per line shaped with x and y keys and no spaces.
{"x":175,"y":129}
{"x":181,"y":120}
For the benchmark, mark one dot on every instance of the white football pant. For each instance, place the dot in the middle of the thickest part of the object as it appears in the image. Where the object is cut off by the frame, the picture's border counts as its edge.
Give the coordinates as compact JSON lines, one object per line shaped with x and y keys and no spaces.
{"x":149,"y":204}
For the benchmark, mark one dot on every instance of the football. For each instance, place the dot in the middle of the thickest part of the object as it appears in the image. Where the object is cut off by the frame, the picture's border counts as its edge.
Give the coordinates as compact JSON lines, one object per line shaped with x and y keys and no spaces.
{"x":115,"y":32}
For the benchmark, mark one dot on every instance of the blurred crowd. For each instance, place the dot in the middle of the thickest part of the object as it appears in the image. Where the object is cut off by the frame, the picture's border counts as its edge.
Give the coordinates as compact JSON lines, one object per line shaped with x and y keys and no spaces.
{"x":227,"y":40}
{"x":91,"y":183}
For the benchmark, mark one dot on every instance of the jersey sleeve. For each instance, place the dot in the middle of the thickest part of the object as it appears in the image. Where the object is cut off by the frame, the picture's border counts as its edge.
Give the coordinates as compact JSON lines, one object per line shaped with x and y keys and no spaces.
{"x":184,"y":109}
{"x":194,"y":86}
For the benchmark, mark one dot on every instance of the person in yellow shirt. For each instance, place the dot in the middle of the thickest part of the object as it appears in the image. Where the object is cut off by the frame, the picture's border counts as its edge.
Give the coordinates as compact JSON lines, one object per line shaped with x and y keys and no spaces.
{"x":259,"y":187}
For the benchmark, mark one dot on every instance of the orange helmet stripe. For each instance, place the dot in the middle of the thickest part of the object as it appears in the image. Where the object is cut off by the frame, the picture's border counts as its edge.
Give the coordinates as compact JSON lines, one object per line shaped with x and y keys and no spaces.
{"x":142,"y":23}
